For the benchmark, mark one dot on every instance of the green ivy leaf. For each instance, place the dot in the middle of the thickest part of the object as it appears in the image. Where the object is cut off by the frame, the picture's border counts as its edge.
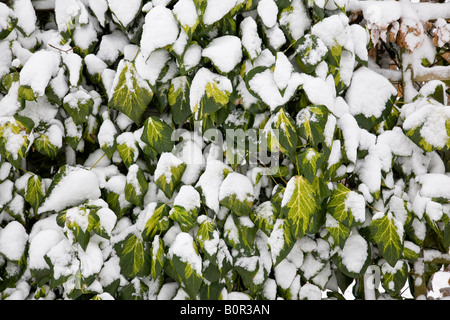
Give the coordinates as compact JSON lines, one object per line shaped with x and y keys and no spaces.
{"x":158,"y":257}
{"x":156,"y":222}
{"x":393,"y":279}
{"x":79,"y":105}
{"x":135,"y":258}
{"x":281,"y":134}
{"x":264,"y":217}
{"x":168,"y":173}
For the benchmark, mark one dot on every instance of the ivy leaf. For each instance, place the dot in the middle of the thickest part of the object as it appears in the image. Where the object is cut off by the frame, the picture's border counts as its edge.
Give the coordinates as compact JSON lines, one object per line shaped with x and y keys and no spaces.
{"x":35,"y":192}
{"x":186,"y":262}
{"x":311,"y":122}
{"x":12,"y":130}
{"x":168,"y":173}
{"x":127,"y":148}
{"x":394,"y":278}
{"x":209,"y":92}
{"x":309,"y":162}
{"x":387,"y":234}
{"x":158,"y":257}
{"x":310,"y":51}
{"x":135,"y":258}
{"x":264,"y":217}
{"x":299,"y":205}
{"x":281,"y":241}
{"x":179,"y":99}
{"x":339,"y":231}
{"x":79,"y":105}
{"x":354,"y":258}
{"x":49,"y":142}
{"x":157,"y":134}
{"x":281,"y":134}
{"x":346,"y":206}
{"x":236,"y":194}
{"x":136,"y":186}
{"x":130,"y":93}
{"x":157,"y":221}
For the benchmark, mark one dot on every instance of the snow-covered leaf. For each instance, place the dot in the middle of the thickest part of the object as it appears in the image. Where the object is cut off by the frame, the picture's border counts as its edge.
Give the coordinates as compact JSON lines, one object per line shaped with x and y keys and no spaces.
{"x":394,"y":278}
{"x":79,"y":105}
{"x":299,"y":205}
{"x":157,"y":135}
{"x":281,"y":133}
{"x":168,"y":173}
{"x":35,"y":192}
{"x":236,"y":193}
{"x":136,"y":186}
{"x":130,"y":93}
{"x":135,"y":257}
{"x":387,"y":233}
{"x":178,"y":97}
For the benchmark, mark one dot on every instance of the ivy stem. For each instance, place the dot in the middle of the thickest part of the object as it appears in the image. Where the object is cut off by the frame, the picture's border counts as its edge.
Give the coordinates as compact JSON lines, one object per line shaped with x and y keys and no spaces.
{"x":97,"y":161}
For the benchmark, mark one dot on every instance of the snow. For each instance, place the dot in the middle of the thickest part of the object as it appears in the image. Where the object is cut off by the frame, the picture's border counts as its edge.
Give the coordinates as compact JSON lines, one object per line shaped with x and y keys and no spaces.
{"x":13,"y":239}
{"x":151,"y":67}
{"x":355,"y":202}
{"x":283,"y":71}
{"x":331,"y":31}
{"x":111,"y":45}
{"x":296,"y":21}
{"x":40,"y":244}
{"x":160,"y":30}
{"x":238,"y":185}
{"x":198,"y":86}
{"x":183,"y":248}
{"x":354,"y":253}
{"x":285,"y":273}
{"x":435,"y":185}
{"x":187,"y":198}
{"x":186,"y":13}
{"x":166,"y":162}
{"x":251,"y":41}
{"x":106,"y":134}
{"x":224,"y":52}
{"x":39,"y":69}
{"x":125,"y":11}
{"x":76,"y":186}
{"x":310,"y":291}
{"x":268,"y":12}
{"x":9,"y":104}
{"x":368,"y":93}
{"x":24,"y":11}
{"x":216,"y":10}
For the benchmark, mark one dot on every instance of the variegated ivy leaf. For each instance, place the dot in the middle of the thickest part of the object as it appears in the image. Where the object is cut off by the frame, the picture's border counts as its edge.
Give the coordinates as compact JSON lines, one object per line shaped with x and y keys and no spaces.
{"x":299,"y":205}
{"x":14,"y":140}
{"x":346,"y":206}
{"x":309,"y":162}
{"x":209,"y":92}
{"x":236,"y":193}
{"x":281,"y":134}
{"x":179,"y":99}
{"x":311,"y":122}
{"x":157,"y":135}
{"x":130,"y":93}
{"x":310,"y":51}
{"x":80,"y":221}
{"x":429,"y":126}
{"x":127,"y":148}
{"x":135,"y":257}
{"x":158,"y":257}
{"x":281,"y":241}
{"x":136,"y":290}
{"x":49,"y":142}
{"x":387,"y":233}
{"x":158,"y":221}
{"x":186,"y":262}
{"x":79,"y":105}
{"x":207,"y":238}
{"x":107,"y":135}
{"x":185,"y":207}
{"x":264,"y":217}
{"x":35,"y":192}
{"x":125,"y":12}
{"x":136,"y":186}
{"x":393,"y":279}
{"x":339,"y":231}
{"x":168,"y":173}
